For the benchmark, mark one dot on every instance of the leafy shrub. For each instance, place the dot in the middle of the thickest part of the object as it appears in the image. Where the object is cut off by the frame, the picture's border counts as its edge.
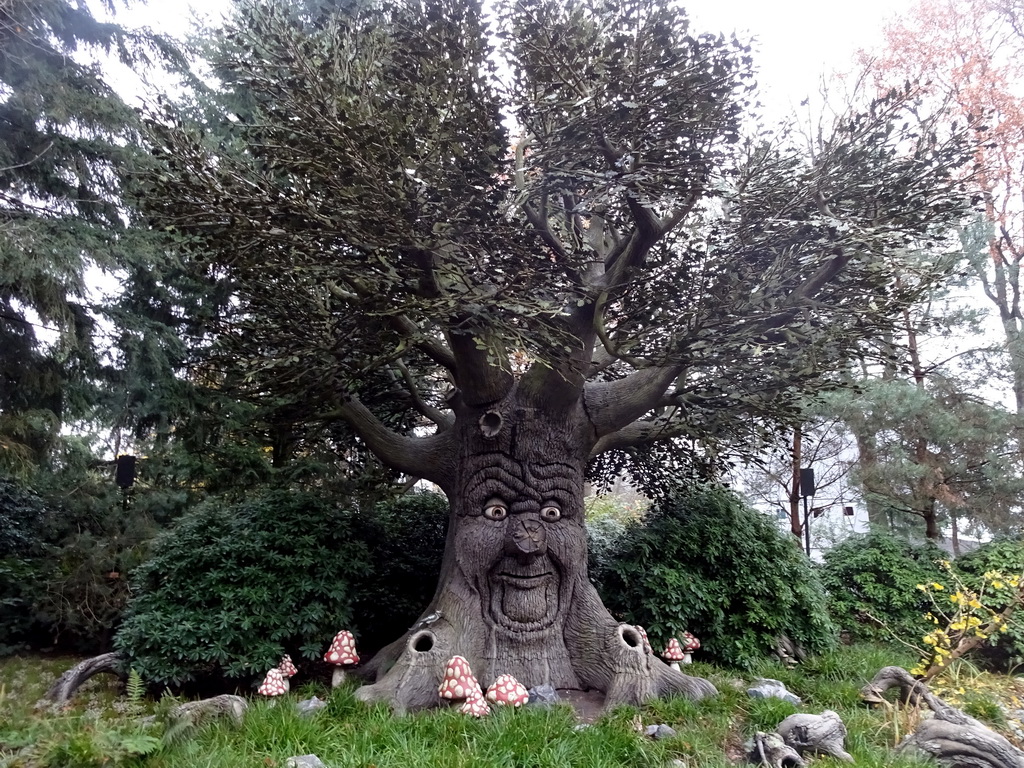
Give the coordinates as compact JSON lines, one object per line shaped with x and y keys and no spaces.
{"x":21,"y":514}
{"x":231,"y":588}
{"x":1007,"y":556}
{"x":405,"y":537}
{"x":871,"y":581}
{"x":705,"y":562}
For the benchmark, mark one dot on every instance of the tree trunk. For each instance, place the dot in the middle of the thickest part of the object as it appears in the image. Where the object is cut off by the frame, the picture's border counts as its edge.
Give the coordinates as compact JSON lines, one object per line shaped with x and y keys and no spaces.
{"x":514,"y":596}
{"x":796,"y":527}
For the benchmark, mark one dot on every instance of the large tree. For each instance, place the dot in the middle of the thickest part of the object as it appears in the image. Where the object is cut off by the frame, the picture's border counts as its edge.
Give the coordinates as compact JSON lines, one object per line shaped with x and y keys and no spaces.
{"x":554,"y":241}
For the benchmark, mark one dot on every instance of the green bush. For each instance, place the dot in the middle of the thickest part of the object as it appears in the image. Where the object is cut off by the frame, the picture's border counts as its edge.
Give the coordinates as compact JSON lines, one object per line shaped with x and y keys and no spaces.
{"x":705,"y":562}
{"x":405,"y":537}
{"x":1006,"y":555}
{"x":871,"y":581}
{"x":231,"y":588}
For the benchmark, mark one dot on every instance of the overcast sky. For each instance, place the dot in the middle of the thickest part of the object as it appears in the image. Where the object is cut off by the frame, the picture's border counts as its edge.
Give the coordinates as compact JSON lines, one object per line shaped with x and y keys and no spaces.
{"x":798,"y":41}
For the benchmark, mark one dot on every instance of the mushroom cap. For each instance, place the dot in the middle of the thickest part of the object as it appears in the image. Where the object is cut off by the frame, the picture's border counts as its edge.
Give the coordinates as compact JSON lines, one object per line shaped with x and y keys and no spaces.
{"x":643,"y":637}
{"x":459,"y":681}
{"x":274,"y":684}
{"x":690,"y":643}
{"x":475,"y":706}
{"x":507,"y":691}
{"x":287,"y":667}
{"x":673,"y":652}
{"x":343,"y":650}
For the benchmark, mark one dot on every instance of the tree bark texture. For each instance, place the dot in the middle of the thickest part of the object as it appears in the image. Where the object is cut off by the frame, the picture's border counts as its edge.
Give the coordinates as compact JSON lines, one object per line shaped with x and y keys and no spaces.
{"x":514,"y":596}
{"x":821,"y":734}
{"x":68,"y":683}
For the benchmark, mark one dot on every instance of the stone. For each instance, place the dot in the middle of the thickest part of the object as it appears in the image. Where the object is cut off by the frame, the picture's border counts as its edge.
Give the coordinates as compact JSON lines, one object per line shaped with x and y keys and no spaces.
{"x":543,"y":694}
{"x":766,"y":688}
{"x":310,"y":706}
{"x":659,"y":732}
{"x":304,"y":761}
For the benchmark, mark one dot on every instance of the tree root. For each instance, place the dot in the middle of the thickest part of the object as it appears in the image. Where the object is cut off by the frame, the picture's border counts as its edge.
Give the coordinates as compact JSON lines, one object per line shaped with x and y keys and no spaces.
{"x":953,"y":738}
{"x":198,"y":712}
{"x":68,"y":684}
{"x":619,"y":666}
{"x":824,"y":734}
{"x":771,"y":751}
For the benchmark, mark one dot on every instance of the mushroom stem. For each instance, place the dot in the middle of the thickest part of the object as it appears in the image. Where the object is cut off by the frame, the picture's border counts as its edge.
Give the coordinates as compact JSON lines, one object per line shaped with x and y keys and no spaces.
{"x":674,"y":665}
{"x":687,"y":659}
{"x":338,"y":678}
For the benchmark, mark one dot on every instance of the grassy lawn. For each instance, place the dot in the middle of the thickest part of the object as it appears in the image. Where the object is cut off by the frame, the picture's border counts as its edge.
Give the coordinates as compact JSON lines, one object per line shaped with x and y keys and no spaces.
{"x":102,"y":727}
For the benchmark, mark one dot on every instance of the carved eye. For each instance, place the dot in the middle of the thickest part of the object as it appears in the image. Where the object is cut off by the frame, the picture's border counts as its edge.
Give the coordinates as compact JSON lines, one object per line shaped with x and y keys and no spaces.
{"x":495,"y":510}
{"x":550,"y":512}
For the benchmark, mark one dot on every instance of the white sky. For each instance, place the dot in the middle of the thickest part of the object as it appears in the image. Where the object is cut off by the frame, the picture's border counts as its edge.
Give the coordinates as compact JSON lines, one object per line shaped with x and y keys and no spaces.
{"x":798,"y":41}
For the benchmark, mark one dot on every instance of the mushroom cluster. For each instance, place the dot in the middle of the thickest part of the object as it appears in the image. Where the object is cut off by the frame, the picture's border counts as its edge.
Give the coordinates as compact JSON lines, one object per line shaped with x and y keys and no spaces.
{"x":676,"y":652}
{"x":460,"y":684}
{"x":342,"y":654}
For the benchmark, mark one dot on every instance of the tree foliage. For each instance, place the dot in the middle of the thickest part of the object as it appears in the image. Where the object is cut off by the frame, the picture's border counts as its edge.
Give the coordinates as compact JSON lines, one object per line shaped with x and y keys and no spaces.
{"x":386,"y":235}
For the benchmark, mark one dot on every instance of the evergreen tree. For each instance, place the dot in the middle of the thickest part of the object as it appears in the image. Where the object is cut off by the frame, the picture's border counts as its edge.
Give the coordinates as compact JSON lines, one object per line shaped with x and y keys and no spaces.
{"x":66,"y":142}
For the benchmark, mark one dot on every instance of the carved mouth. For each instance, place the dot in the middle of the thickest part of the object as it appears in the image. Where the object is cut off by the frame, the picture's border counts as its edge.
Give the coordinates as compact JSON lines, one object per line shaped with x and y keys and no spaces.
{"x":525,"y":582}
{"x":524,"y":595}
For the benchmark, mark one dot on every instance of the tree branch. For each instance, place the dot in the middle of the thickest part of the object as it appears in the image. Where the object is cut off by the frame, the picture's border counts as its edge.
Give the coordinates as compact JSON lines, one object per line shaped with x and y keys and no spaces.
{"x":432,"y":458}
{"x":639,"y":433}
{"x":612,"y":405}
{"x":442,"y":420}
{"x":479,"y":380}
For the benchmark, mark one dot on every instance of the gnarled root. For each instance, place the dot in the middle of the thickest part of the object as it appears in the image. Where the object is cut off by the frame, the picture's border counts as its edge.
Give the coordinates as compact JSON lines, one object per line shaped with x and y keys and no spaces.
{"x":912,"y":692}
{"x":412,"y":682}
{"x":67,"y":684}
{"x":771,"y":751}
{"x":951,"y":737}
{"x":824,"y":733}
{"x":638,"y":675}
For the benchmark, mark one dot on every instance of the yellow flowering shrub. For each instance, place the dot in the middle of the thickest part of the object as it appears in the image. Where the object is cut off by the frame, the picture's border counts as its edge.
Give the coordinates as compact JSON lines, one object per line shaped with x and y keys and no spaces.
{"x":962,"y":617}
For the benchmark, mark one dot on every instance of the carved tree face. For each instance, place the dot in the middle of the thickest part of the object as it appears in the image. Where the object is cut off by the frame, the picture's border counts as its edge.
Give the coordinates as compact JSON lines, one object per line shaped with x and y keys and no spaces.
{"x":520,"y":539}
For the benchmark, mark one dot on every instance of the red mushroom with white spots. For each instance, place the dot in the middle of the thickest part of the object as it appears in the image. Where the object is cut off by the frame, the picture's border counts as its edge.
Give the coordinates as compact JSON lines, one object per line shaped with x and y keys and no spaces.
{"x":475,"y":705}
{"x":506,"y":691}
{"x":690,"y":644}
{"x":458,"y":682}
{"x":274,"y":684}
{"x":342,"y":654}
{"x":673,"y":653}
{"x":287,"y":667}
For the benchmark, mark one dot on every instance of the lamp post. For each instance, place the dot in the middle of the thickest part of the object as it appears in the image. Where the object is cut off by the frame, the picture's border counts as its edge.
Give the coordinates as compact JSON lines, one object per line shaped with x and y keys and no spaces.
{"x":807,"y":491}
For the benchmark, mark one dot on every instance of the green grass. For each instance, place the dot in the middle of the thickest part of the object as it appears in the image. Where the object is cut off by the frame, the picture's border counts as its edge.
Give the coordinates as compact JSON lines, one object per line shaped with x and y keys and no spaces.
{"x":102,"y":729}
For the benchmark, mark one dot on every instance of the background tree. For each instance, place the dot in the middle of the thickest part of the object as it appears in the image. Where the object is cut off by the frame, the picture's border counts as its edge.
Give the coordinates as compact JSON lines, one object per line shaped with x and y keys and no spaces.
{"x":929,"y":445}
{"x":65,"y":140}
{"x":633,"y":270}
{"x":969,"y":54}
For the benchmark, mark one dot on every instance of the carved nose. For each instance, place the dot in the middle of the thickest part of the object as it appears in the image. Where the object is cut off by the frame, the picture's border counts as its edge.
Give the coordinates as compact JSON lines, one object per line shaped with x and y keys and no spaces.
{"x":526,"y":536}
